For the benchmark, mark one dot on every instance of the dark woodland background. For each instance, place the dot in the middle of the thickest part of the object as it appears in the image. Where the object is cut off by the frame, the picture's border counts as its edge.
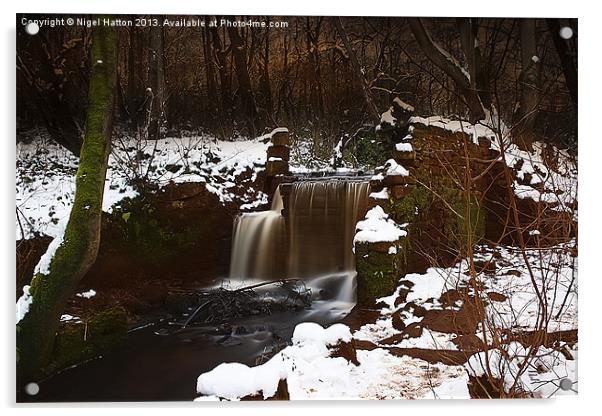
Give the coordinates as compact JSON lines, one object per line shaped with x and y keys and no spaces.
{"x":230,"y":82}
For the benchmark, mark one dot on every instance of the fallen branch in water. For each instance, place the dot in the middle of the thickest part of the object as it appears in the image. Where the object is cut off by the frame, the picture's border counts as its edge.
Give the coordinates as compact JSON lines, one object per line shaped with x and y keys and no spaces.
{"x":244,"y":301}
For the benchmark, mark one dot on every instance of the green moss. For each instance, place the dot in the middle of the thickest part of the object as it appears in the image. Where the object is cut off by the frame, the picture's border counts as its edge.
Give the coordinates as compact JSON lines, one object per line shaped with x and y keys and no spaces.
{"x":81,"y":341}
{"x":378,"y":271}
{"x":149,"y":238}
{"x":36,"y":332}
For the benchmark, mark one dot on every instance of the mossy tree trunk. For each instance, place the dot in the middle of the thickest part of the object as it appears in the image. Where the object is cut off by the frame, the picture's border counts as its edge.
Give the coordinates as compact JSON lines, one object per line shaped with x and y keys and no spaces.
{"x":76,"y":254}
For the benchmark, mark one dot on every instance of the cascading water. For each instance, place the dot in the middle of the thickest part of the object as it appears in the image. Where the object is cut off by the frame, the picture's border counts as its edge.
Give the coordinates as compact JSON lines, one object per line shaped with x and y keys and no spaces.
{"x":314,"y":242}
{"x":257,"y":244}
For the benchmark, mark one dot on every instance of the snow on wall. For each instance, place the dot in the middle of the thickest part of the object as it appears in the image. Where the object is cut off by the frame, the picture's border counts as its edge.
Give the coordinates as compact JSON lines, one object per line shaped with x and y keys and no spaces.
{"x":559,"y":187}
{"x":377,"y":227}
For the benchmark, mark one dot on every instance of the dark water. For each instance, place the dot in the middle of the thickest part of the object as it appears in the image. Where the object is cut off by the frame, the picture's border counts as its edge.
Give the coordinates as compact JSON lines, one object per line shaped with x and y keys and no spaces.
{"x":162,"y":362}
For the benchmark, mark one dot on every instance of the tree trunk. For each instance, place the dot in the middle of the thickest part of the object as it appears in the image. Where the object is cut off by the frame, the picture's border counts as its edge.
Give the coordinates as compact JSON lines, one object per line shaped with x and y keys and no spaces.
{"x":357,"y":70}
{"x":209,"y":70}
{"x":524,"y":128}
{"x":239,"y":52}
{"x":48,"y":83}
{"x":442,"y":59}
{"x":156,"y":80}
{"x":316,"y":98}
{"x":266,"y":88}
{"x":224,"y":79}
{"x":568,"y":59}
{"x":135,"y":94}
{"x":76,"y":254}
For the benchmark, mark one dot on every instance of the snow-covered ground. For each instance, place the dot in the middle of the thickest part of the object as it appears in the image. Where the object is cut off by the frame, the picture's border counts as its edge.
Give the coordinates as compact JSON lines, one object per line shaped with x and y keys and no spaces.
{"x":45,"y":175}
{"x":311,"y":373}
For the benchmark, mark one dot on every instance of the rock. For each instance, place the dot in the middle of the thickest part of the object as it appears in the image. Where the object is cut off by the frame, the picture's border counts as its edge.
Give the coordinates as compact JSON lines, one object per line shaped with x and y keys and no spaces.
{"x":76,"y":342}
{"x":413,"y":330}
{"x":400,"y":191}
{"x":378,"y":270}
{"x":496,"y":297}
{"x":416,"y":310}
{"x":276,"y":167}
{"x":450,"y":297}
{"x":281,"y":152}
{"x":397,"y":321}
{"x":280,"y":138}
{"x":463,"y":322}
{"x":395,"y":180}
{"x":346,"y":350}
{"x":469,"y":342}
{"x":401,"y":298}
{"x":281,"y":393}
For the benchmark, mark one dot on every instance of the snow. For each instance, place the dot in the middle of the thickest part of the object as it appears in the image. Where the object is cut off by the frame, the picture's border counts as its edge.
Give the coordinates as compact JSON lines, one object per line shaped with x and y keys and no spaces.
{"x":279,"y":130}
{"x":310,"y":331}
{"x":23,"y":303}
{"x":392,"y":168}
{"x":68,"y":318}
{"x":404,"y":147}
{"x":554,"y":186}
{"x":45,"y":174}
{"x":485,"y":128}
{"x":43,"y":265}
{"x":407,"y":107}
{"x":453,"y":388}
{"x":388,"y":118}
{"x":377,"y":227}
{"x":383,"y":194}
{"x":542,"y":375}
{"x":310,"y":341}
{"x":233,"y":380}
{"x":311,"y":373}
{"x":86,"y":295}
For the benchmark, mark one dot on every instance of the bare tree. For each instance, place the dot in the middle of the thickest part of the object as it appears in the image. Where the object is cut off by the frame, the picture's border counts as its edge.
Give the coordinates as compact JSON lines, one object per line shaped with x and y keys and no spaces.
{"x":156,"y":80}
{"x":357,"y":70}
{"x":451,"y":67}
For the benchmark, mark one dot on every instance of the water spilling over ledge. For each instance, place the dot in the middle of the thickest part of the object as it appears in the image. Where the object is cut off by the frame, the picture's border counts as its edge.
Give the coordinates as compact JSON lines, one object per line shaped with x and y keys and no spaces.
{"x":307,"y":234}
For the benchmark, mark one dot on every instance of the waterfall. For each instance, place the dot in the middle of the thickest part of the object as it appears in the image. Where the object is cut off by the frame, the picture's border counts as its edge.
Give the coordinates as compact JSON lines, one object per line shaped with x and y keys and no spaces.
{"x":257,"y":244}
{"x":314,"y":242}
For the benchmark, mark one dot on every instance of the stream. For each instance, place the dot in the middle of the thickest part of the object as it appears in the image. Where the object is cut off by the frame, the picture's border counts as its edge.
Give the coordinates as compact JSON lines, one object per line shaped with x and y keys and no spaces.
{"x":161,"y":362}
{"x":307,"y":235}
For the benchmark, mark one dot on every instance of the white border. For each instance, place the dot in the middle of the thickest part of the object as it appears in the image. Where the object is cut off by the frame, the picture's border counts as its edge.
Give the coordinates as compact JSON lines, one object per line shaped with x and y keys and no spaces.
{"x":590,"y":115}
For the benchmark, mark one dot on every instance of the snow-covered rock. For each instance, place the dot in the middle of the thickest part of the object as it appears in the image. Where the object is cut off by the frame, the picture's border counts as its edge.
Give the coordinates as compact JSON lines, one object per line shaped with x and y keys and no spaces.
{"x":377,"y":227}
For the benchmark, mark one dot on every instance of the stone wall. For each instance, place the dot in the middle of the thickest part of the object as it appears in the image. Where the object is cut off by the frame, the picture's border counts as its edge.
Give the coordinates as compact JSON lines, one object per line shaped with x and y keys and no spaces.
{"x":437,"y":200}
